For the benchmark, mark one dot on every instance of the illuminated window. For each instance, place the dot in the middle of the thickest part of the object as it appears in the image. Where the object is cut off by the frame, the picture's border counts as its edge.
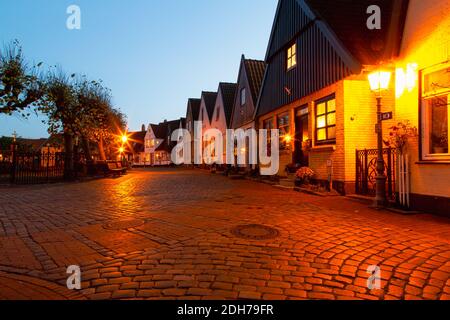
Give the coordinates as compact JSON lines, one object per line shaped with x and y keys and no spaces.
{"x":292,"y":57}
{"x":243,"y":97}
{"x":149,"y":143}
{"x":284,"y":127}
{"x":435,"y":114}
{"x":326,"y":121}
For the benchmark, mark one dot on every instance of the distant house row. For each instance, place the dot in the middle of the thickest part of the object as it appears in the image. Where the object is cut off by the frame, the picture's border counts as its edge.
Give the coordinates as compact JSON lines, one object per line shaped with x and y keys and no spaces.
{"x":313,"y":87}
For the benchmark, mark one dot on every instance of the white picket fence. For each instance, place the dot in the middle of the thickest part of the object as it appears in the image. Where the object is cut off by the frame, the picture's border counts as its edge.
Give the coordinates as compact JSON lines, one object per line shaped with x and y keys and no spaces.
{"x":404,"y":180}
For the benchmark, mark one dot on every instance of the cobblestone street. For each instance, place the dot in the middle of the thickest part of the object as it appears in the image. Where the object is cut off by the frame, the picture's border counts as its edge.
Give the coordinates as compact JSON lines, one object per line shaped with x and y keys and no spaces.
{"x":185,"y":234}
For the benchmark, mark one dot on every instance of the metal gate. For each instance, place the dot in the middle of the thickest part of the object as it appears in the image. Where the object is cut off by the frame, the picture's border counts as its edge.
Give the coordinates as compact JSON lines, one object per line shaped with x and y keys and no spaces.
{"x":366,"y":171}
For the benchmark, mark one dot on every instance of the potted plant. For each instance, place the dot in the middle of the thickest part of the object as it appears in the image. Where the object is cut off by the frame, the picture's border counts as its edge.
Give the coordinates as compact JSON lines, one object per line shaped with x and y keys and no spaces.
{"x":399,"y":135}
{"x":303,"y":176}
{"x":440,"y":143}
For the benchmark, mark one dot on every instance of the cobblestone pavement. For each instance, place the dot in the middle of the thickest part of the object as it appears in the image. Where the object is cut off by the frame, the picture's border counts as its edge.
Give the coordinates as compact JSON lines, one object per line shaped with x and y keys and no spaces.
{"x":171,"y":234}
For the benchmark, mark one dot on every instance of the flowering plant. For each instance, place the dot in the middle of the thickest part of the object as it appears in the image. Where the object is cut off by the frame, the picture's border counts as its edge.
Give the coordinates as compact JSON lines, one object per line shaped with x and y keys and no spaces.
{"x":399,"y":135}
{"x":304,"y":174}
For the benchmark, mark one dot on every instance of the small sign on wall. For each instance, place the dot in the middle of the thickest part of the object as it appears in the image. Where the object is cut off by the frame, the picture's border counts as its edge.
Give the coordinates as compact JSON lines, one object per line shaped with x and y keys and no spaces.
{"x":386,"y":116}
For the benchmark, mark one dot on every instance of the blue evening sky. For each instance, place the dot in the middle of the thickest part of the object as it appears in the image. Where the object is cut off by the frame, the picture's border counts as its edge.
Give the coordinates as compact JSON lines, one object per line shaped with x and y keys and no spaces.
{"x":152,"y":54}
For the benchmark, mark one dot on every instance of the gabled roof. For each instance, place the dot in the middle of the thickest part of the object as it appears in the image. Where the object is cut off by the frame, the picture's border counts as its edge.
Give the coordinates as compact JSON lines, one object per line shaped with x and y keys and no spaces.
{"x":255,"y":72}
{"x":194,"y":105}
{"x":183,"y":123}
{"x":210,"y":101}
{"x":251,"y":72}
{"x":228,"y":94}
{"x":344,"y":23}
{"x":164,"y":130}
{"x":155,"y":129}
{"x":348,"y":20}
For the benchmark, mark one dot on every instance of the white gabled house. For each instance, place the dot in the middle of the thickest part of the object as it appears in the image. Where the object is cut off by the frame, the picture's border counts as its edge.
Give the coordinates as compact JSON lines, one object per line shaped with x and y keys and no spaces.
{"x":151,"y":143}
{"x":222,"y":112}
{"x":207,"y":103}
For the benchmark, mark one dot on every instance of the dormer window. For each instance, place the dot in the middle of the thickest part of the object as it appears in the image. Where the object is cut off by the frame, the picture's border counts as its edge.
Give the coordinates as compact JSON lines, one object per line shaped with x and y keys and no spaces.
{"x":243,"y":97}
{"x":292,"y":57}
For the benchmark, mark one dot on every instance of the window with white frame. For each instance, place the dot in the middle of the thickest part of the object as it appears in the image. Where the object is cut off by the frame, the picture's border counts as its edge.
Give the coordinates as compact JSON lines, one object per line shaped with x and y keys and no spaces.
{"x":435,"y":113}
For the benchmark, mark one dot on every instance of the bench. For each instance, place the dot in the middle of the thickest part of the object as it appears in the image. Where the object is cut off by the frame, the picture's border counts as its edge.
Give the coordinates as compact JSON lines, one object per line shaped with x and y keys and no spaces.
{"x":114,"y":169}
{"x":121,"y":167}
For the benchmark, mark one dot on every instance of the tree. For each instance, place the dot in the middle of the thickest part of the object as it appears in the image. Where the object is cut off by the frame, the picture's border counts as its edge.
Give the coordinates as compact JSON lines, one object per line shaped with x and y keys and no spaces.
{"x":80,"y":108}
{"x":94,"y":102}
{"x":20,"y":86}
{"x":113,"y":125}
{"x":60,"y":106}
{"x":101,"y":122}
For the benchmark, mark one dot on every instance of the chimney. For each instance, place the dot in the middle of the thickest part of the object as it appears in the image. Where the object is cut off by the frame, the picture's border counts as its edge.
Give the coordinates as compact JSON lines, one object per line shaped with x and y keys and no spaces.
{"x":143,"y":128}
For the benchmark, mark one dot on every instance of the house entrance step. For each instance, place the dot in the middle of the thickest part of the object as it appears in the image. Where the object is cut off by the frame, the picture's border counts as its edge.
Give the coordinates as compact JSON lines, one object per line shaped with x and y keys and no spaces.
{"x":287,"y":182}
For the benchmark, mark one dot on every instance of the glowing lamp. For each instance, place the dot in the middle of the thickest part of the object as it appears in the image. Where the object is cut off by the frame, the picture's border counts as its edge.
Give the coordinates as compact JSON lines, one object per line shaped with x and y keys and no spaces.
{"x":379,"y":80}
{"x":287,"y":138}
{"x":121,"y":149}
{"x":124,"y":138}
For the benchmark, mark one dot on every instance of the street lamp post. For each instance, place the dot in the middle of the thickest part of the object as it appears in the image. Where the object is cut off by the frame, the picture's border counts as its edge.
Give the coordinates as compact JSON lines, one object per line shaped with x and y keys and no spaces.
{"x":379,"y":82}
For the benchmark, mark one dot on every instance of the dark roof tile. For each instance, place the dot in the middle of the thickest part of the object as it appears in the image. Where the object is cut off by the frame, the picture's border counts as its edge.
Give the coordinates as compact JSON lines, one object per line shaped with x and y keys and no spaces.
{"x":164,"y":130}
{"x":210,"y":102}
{"x":255,"y":72}
{"x":194,"y":105}
{"x":348,"y":20}
{"x":228,"y":95}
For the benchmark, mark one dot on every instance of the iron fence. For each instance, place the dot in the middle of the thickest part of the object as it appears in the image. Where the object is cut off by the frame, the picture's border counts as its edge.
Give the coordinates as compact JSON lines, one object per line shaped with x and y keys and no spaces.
{"x":366,"y":171}
{"x":36,"y":167}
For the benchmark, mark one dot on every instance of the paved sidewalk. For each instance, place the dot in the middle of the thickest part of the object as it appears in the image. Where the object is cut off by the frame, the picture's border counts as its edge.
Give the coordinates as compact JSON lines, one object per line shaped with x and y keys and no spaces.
{"x":178,"y":234}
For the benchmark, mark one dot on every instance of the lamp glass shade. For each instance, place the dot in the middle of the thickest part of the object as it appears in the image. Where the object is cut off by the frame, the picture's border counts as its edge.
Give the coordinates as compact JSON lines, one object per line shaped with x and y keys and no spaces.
{"x":379,"y":80}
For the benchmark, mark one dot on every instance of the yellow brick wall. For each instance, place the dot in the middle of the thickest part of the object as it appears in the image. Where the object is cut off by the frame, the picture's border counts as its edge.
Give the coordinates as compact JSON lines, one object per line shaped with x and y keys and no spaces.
{"x":355,"y":127}
{"x":319,"y":155}
{"x":426,"y":42}
{"x":360,"y":117}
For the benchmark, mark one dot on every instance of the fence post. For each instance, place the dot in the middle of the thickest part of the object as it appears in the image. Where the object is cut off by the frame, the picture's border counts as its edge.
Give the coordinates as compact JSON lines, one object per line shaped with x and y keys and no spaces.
{"x":366,"y":172}
{"x":48,"y":164}
{"x":357,"y":172}
{"x":389,"y":172}
{"x":14,"y":163}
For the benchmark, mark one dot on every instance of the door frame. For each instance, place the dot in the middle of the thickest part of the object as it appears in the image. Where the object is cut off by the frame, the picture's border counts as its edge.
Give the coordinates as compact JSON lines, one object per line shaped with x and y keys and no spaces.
{"x":300,"y":114}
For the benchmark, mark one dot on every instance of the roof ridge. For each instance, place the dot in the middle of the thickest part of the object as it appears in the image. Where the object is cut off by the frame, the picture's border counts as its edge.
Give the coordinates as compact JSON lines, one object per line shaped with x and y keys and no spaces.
{"x":255,"y":60}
